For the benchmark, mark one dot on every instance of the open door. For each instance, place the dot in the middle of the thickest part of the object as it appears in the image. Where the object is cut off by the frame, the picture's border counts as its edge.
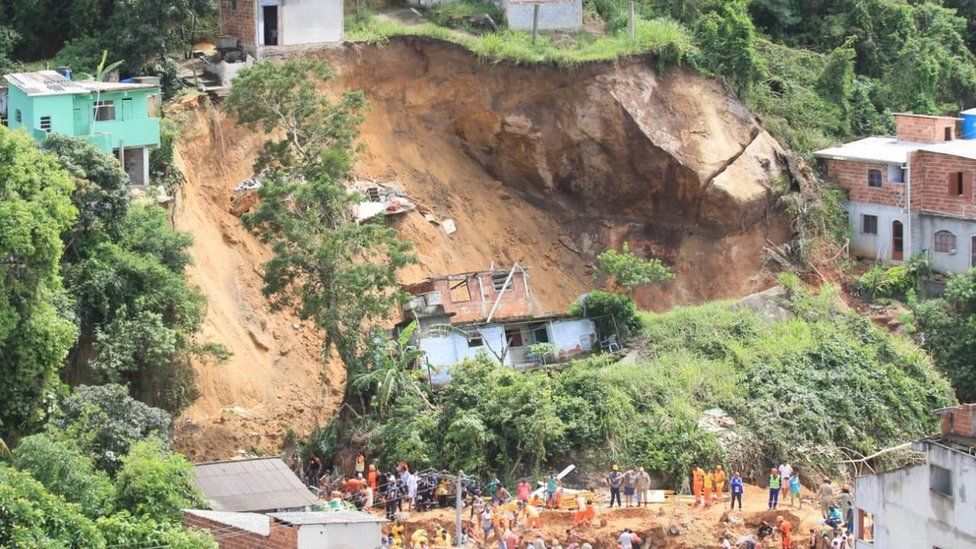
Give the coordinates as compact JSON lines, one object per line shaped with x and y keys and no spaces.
{"x":269,"y":25}
{"x":897,"y":241}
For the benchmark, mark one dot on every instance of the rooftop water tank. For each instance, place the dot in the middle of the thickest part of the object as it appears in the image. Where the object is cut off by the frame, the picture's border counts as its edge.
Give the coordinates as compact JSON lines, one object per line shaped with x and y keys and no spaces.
{"x":968,"y":123}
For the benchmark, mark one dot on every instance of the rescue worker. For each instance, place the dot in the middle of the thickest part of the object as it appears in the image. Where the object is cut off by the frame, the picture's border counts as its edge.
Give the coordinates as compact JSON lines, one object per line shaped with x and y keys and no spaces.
{"x":719,"y":478}
{"x":825,"y":495}
{"x":532,"y":517}
{"x":785,"y":528}
{"x":774,"y":485}
{"x":735,"y":490}
{"x":442,"y":540}
{"x":697,"y":483}
{"x":585,"y":516}
{"x":360,"y":464}
{"x":419,"y":538}
{"x":614,"y":481}
{"x":708,"y":484}
{"x":372,"y":476}
{"x":643,"y":486}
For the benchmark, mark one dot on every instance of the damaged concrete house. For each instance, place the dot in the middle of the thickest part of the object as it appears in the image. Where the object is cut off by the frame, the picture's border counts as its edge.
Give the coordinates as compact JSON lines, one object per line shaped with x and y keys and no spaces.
{"x":912,"y":193}
{"x":931,"y":504}
{"x":259,"y":26}
{"x":117,"y":117}
{"x":464,"y":315}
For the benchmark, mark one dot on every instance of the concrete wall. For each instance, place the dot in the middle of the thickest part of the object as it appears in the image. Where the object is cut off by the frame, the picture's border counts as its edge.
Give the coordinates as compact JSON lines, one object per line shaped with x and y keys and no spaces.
{"x":339,"y":536}
{"x":961,"y":260}
{"x":564,"y":15}
{"x":908,"y":514}
{"x":874,"y":246}
{"x":311,"y":21}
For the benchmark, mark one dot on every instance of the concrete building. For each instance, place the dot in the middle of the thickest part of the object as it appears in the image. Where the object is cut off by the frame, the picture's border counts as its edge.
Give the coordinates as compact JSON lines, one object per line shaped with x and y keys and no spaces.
{"x":912,"y":193}
{"x":554,"y":15}
{"x":299,"y":530}
{"x":261,"y":25}
{"x":929,"y":505}
{"x":490,"y":313}
{"x":115,"y":116}
{"x":251,"y":485}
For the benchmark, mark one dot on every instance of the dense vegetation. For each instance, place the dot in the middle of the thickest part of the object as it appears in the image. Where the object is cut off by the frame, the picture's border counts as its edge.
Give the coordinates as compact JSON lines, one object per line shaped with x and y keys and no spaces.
{"x":798,"y":389}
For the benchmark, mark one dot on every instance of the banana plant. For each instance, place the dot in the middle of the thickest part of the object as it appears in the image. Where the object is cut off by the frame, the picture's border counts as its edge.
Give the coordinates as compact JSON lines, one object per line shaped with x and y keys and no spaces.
{"x":393,"y":371}
{"x":103,"y":71}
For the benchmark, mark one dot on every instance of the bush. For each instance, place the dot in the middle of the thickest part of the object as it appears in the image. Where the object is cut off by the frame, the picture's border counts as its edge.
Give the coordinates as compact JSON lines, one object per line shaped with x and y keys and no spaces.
{"x":124,"y":530}
{"x":610,"y":312}
{"x":898,"y":281}
{"x":156,"y":483}
{"x":65,"y":471}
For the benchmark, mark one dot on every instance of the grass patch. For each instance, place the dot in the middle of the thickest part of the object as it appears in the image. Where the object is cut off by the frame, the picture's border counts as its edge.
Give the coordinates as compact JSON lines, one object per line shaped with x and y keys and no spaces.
{"x":664,"y":38}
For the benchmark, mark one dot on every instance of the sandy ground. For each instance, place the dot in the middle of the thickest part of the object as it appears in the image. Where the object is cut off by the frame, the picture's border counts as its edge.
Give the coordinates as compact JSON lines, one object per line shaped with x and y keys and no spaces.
{"x":696,"y":527}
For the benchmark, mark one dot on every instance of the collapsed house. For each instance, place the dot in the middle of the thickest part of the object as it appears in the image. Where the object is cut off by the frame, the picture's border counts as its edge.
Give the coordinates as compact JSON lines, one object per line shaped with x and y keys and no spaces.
{"x":932,"y":504}
{"x":379,"y":200}
{"x":912,"y":193}
{"x":490,"y":313}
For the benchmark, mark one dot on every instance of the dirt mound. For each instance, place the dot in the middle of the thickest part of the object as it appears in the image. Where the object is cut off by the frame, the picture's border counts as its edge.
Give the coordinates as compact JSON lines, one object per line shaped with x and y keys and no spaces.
{"x":538,"y":165}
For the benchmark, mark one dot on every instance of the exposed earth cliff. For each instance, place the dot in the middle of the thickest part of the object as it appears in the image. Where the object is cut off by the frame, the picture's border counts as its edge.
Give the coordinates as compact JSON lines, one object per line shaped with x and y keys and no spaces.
{"x":541,"y":165}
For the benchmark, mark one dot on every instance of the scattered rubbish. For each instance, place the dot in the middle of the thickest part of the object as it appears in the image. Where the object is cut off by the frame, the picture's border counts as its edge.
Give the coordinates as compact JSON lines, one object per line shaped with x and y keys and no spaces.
{"x":431,"y":218}
{"x":715,"y":420}
{"x":380,"y":199}
{"x":244,"y":196}
{"x":449,"y":226}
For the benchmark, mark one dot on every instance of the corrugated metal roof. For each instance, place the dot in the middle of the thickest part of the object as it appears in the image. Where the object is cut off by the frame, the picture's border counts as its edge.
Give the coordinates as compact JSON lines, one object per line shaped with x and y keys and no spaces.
{"x":262,"y":484}
{"x":885,"y":150}
{"x":250,"y":522}
{"x":964,"y":148}
{"x":326,"y":517}
{"x":54,"y":83}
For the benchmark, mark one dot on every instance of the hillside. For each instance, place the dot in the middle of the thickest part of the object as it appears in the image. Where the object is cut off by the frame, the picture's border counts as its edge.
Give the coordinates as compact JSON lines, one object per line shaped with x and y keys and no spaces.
{"x":540,"y":165}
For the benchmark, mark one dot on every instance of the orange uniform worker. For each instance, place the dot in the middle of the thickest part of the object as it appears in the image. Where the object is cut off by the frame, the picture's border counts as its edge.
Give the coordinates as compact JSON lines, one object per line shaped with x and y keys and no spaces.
{"x":372,"y":476}
{"x":785,"y":529}
{"x":585,"y":516}
{"x":532,"y":518}
{"x":697,"y":483}
{"x":719,"y":478}
{"x":709,"y":485}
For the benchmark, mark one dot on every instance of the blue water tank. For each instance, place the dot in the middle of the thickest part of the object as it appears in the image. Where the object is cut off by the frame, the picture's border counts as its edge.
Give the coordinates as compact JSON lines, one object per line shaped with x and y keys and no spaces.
{"x":968,"y":123}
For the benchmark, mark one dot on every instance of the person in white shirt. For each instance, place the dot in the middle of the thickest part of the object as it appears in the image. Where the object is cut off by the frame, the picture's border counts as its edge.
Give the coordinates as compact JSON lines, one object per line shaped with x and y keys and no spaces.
{"x":626,"y":539}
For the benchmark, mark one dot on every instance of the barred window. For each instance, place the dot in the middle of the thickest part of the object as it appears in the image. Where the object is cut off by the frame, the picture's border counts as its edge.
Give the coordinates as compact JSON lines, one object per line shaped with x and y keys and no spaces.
{"x":945,"y":242}
{"x":874,"y":178}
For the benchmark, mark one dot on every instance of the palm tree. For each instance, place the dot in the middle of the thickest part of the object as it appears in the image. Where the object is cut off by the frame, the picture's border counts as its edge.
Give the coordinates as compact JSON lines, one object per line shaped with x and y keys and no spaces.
{"x":393,"y":373}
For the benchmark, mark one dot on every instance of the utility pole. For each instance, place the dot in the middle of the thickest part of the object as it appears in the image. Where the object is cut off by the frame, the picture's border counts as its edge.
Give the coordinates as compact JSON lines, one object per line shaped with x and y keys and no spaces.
{"x":535,"y":28}
{"x":458,"y":490}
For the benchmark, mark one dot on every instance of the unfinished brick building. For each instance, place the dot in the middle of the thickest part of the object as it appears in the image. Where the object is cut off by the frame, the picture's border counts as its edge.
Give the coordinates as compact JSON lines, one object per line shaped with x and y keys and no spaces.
{"x":262,"y":24}
{"x":912,"y":193}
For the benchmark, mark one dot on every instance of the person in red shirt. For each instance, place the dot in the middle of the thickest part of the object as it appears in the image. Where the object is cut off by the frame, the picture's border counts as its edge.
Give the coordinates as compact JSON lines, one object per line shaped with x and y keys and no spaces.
{"x":785,"y":529}
{"x":522,"y":490}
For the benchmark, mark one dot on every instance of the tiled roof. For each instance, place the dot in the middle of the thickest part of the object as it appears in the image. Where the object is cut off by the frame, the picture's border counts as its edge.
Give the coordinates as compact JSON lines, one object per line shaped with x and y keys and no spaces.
{"x":262,"y":484}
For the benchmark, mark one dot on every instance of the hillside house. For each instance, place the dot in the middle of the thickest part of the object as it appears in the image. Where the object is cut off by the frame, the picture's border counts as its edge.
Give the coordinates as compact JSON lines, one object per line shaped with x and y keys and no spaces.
{"x":912,"y":193}
{"x":932,"y":504}
{"x":464,"y":315}
{"x":297,"y":530}
{"x":115,"y":116}
{"x":251,"y":485}
{"x":262,"y":24}
{"x":554,"y":15}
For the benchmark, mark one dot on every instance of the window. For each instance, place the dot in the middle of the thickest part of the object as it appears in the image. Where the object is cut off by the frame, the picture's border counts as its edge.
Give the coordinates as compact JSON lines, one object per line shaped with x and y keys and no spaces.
{"x":461,"y":292}
{"x":498,"y":281}
{"x":948,"y":133}
{"x":46,"y":124}
{"x":104,"y":110}
{"x":869,"y":224}
{"x":18,"y":116}
{"x":874,"y":178}
{"x":514,"y":337}
{"x":945,"y":242}
{"x":540,"y":332}
{"x":956,"y":184}
{"x":940,"y":480}
{"x":475,"y":339}
{"x":896,"y":174}
{"x":865,"y":530}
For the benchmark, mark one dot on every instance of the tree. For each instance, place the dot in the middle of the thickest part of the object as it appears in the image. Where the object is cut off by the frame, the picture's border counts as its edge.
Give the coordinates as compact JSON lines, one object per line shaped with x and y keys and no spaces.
{"x":727,"y":39}
{"x":391,"y":371}
{"x":105,"y":422}
{"x":155,"y":483}
{"x":66,"y":471}
{"x":35,"y":208}
{"x":8,"y":38}
{"x":946,"y":327}
{"x":629,"y":271}
{"x":32,"y":517}
{"x":124,"y":530}
{"x":334,"y":271}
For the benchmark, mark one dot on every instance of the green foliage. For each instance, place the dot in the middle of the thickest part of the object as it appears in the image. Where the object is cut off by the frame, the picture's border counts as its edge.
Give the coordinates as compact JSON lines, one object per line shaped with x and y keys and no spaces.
{"x":32,"y":517}
{"x":629,"y":271}
{"x":163,"y":171}
{"x":898,"y":281}
{"x":946,"y":327}
{"x":66,"y":471}
{"x":124,"y":530}
{"x":727,"y":39}
{"x":458,"y":14}
{"x":104,"y":421}
{"x":391,"y":370}
{"x":610,"y":312}
{"x":338,"y":273}
{"x":155,"y":483}
{"x":35,"y":208}
{"x":8,"y":38}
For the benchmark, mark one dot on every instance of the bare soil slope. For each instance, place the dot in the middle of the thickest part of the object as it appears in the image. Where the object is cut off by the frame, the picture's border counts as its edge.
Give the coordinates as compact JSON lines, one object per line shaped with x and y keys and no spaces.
{"x":537,"y":165}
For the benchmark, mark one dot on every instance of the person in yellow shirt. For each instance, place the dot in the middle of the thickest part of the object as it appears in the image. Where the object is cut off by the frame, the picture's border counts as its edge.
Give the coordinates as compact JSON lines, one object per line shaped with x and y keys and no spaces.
{"x":397,"y":532}
{"x":419,"y":538}
{"x":442,"y":540}
{"x":708,"y":484}
{"x":719,"y":478}
{"x":532,"y":517}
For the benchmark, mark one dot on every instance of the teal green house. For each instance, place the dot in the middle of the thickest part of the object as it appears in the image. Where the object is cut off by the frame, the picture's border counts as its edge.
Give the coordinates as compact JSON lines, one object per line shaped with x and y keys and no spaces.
{"x":115,"y":116}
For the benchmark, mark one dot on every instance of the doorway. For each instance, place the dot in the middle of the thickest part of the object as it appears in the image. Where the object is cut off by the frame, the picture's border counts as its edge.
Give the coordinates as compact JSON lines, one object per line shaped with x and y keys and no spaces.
{"x":972,"y":252}
{"x":897,"y":241}
{"x":269,"y":23}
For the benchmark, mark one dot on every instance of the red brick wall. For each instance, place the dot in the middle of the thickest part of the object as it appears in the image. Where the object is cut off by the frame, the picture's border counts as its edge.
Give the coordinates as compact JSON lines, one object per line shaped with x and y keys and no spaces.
{"x":959,"y":421}
{"x":930,"y":172}
{"x":282,"y":536}
{"x":239,"y":22}
{"x":514,"y":302}
{"x":924,"y":129}
{"x":853,"y":176}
